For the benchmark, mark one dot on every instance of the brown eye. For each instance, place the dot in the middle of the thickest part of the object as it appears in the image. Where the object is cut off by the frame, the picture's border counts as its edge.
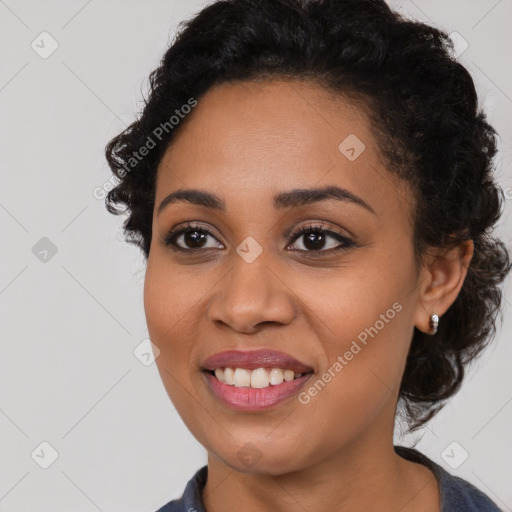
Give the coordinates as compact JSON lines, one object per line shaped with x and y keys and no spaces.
{"x":190,"y":238}
{"x":316,"y":239}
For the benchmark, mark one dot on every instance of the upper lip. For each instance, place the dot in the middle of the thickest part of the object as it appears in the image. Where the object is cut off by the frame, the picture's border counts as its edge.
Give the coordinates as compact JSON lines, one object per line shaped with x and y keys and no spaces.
{"x":252,"y":359}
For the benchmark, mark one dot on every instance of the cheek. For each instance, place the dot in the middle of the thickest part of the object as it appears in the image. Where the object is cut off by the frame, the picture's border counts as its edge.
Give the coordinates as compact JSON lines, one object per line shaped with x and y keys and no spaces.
{"x":358,"y":386}
{"x":365,"y":323}
{"x":170,"y":299}
{"x":169,"y":304}
{"x":364,"y":355}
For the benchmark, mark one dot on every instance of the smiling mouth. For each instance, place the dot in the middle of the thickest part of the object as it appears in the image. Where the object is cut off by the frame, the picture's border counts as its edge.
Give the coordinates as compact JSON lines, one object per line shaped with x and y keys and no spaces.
{"x":255,"y":378}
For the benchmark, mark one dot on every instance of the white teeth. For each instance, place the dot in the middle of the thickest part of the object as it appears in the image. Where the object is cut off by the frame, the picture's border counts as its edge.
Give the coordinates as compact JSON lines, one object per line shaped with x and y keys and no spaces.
{"x":288,"y":375}
{"x":242,"y":378}
{"x":258,"y":378}
{"x":276,"y":376}
{"x":229,"y":376}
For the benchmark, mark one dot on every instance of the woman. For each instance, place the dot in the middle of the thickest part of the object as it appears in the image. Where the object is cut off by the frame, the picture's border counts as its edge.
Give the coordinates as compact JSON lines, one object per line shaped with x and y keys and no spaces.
{"x":311,"y":185}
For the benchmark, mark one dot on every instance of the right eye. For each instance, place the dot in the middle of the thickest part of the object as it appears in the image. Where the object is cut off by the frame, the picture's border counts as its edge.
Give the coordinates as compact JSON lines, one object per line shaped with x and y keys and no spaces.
{"x":190,"y":238}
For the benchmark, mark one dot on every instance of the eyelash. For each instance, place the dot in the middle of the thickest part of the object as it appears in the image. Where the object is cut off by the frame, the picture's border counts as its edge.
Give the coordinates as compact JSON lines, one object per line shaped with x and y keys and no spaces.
{"x":318,"y":229}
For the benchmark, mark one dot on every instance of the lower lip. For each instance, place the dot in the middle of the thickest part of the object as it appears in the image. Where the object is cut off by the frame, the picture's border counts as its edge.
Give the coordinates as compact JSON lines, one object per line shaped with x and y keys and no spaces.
{"x":254,"y":399}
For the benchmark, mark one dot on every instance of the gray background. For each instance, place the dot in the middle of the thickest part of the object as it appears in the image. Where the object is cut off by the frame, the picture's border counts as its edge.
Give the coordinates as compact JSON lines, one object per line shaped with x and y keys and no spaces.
{"x":72,"y":320}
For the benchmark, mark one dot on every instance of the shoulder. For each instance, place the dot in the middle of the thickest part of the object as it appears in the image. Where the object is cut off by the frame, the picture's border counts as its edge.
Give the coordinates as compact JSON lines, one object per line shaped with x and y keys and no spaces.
{"x":457,"y":494}
{"x":191,"y":500}
{"x":460,"y":495}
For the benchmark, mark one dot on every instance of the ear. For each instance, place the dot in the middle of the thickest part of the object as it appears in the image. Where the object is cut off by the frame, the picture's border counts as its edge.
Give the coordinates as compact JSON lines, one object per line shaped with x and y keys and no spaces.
{"x":441,"y":278}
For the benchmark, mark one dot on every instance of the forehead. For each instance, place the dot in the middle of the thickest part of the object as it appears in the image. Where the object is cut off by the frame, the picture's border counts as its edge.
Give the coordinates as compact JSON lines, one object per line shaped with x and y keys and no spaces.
{"x":273,"y":136}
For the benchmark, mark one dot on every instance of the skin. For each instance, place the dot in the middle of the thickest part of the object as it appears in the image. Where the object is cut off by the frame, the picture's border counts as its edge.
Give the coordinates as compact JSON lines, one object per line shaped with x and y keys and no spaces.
{"x":245,"y":142}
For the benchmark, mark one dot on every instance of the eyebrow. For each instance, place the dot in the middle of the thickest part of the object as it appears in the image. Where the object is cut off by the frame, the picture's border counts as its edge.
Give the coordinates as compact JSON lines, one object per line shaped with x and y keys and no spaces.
{"x":289,"y":199}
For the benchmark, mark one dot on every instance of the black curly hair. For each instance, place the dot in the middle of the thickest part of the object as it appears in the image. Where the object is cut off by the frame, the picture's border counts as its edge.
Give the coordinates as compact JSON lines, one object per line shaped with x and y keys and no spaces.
{"x":426,"y":119}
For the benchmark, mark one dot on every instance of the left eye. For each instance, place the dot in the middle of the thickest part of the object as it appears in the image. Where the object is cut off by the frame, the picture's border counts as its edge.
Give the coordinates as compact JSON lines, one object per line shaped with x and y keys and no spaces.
{"x":314,"y":239}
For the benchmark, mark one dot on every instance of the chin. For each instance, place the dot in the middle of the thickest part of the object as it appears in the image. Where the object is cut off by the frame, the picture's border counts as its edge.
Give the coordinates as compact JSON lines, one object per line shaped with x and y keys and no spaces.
{"x":252,"y":457}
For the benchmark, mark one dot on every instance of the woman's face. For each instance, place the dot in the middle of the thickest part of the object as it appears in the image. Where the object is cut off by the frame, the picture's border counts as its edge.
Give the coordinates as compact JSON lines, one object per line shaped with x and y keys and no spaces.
{"x":342,"y":302}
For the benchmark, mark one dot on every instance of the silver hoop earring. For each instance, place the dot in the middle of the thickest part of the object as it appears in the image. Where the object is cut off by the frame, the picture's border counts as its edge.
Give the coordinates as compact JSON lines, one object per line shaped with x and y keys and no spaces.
{"x":434,"y":323}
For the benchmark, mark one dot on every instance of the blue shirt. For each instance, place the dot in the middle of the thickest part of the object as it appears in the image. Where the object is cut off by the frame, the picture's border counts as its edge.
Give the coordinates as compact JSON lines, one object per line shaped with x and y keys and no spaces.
{"x":457,"y":495}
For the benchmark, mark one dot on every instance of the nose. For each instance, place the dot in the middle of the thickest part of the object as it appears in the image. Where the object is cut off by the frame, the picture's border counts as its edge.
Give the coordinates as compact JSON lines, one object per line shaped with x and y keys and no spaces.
{"x":250,"y":296}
